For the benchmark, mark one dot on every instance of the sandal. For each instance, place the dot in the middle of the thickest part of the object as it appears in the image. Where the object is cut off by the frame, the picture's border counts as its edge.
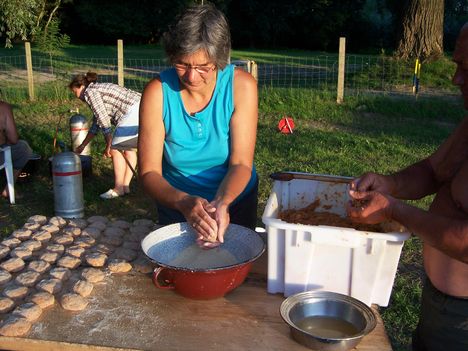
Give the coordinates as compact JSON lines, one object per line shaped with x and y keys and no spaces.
{"x":109,"y":194}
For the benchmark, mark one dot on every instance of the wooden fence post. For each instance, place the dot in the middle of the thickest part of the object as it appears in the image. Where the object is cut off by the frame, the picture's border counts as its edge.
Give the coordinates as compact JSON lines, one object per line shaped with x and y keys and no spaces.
{"x":29,"y":70}
{"x":341,"y":70}
{"x":254,"y":70}
{"x":120,"y":63}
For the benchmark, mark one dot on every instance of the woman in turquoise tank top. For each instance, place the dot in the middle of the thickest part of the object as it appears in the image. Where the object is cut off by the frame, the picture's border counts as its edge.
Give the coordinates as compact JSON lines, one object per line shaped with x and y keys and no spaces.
{"x":198,"y":125}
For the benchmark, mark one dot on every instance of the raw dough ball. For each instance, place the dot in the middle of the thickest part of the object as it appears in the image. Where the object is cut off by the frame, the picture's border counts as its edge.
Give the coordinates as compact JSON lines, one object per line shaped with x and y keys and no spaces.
{"x":51,"y":286}
{"x":60,"y":273}
{"x":143,"y":265}
{"x":103,"y":248}
{"x":15,"y":292}
{"x":6,"y":304}
{"x":114,"y":231}
{"x":99,"y":225}
{"x":31,"y":245}
{"x":112,"y":240}
{"x":63,"y":239}
{"x":92,"y":275}
{"x":15,"y":326}
{"x":21,"y":234}
{"x":121,"y":224}
{"x":42,"y":299}
{"x":119,"y":266}
{"x":28,"y":278}
{"x":4,"y":277}
{"x":143,"y":222}
{"x":73,"y":302}
{"x":39,"y":266}
{"x":75,"y":251}
{"x":92,"y":232}
{"x":21,"y":252}
{"x":29,"y":310}
{"x":11,"y":242}
{"x":56,"y":248}
{"x":73,"y":231}
{"x":96,"y":259}
{"x":69,"y":262}
{"x":124,"y":254}
{"x":42,"y":235}
{"x":132,"y":245}
{"x":4,"y":251}
{"x":85,"y":241}
{"x":58,"y":221}
{"x":14,"y":264}
{"x":94,"y":219}
{"x":50,"y":257}
{"x":83,"y":288}
{"x":40,"y":219}
{"x":78,"y":222}
{"x":31,"y":226}
{"x":52,"y":229}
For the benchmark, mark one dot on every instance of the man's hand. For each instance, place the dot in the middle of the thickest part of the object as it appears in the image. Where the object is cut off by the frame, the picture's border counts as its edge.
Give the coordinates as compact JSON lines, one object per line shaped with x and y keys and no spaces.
{"x":370,"y":207}
{"x":373,"y":182}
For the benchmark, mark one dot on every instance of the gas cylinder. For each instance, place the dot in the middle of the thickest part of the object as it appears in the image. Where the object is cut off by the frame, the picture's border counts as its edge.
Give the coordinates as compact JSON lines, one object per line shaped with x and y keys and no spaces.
{"x":68,"y":185}
{"x":78,"y":131}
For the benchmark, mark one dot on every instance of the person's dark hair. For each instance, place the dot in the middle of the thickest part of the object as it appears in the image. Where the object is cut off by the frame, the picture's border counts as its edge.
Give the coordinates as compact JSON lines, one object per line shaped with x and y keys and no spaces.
{"x":83,"y":79}
{"x":201,"y":27}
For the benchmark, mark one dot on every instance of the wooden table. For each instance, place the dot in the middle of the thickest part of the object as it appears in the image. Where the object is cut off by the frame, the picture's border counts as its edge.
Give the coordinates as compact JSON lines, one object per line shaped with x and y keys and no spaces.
{"x":128,"y":312}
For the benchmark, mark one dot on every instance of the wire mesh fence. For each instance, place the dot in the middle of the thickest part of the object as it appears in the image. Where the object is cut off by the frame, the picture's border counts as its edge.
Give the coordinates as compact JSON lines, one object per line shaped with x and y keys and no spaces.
{"x":363,"y":74}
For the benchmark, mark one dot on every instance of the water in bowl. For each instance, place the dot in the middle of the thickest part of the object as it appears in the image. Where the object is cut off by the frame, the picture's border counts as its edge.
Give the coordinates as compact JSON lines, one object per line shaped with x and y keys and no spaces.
{"x":194,"y":257}
{"x":327,"y":327}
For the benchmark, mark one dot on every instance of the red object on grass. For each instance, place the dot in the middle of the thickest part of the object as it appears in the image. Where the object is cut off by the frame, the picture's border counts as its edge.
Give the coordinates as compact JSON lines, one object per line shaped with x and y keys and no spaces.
{"x":286,"y":125}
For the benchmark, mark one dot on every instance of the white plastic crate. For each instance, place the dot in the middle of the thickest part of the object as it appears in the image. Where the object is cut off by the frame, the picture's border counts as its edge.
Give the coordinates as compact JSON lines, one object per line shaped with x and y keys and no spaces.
{"x":343,"y":260}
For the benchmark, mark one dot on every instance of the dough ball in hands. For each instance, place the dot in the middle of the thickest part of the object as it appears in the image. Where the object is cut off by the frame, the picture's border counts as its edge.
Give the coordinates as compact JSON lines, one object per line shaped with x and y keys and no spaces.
{"x":73,"y":302}
{"x":15,"y":326}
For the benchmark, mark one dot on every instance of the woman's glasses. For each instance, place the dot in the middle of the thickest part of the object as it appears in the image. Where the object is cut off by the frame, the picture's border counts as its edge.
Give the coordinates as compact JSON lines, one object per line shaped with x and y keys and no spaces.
{"x":202,"y":69}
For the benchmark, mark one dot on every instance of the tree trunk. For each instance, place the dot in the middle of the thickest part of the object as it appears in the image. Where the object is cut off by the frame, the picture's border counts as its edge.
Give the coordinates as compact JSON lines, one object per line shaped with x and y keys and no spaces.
{"x":422,"y":30}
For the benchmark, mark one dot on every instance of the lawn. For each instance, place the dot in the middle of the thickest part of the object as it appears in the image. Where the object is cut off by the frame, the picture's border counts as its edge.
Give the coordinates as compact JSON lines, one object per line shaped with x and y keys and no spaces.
{"x":367,"y":133}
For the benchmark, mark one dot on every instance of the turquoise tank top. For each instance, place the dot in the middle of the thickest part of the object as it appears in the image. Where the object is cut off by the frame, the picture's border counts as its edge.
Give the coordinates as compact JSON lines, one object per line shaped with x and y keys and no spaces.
{"x":197,"y":147}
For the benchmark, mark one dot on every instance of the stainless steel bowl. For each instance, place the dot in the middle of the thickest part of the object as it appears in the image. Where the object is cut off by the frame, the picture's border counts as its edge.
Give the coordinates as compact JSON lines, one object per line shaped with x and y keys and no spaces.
{"x":327,"y":321}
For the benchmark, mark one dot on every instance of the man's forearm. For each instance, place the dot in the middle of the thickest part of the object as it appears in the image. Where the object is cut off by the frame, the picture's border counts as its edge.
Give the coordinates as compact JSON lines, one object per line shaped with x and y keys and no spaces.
{"x":415,"y":181}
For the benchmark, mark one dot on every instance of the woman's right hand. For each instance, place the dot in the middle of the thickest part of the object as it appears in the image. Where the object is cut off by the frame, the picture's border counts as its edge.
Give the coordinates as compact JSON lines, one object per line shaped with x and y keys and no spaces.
{"x":196,"y":211}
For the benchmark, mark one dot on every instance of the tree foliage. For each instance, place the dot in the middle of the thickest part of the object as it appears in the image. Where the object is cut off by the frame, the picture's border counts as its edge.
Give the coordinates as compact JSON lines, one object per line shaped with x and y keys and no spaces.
{"x":26,"y":18}
{"x":18,"y":19}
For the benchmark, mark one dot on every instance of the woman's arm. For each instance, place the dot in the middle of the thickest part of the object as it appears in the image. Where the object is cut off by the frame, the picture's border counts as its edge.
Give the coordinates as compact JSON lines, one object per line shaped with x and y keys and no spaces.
{"x":243,"y":130}
{"x":150,"y":153}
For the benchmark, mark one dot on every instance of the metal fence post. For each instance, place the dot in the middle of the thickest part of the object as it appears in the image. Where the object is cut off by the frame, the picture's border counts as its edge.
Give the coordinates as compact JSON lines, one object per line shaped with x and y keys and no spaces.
{"x":120,"y":63}
{"x":27,"y":48}
{"x":341,"y":70}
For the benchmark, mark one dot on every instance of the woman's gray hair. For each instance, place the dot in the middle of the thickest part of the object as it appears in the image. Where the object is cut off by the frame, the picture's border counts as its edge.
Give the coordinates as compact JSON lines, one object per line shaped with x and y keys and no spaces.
{"x":200,"y":27}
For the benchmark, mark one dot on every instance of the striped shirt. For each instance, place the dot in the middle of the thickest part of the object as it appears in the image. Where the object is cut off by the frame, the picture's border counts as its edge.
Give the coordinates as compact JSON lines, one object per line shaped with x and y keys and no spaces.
{"x":109,"y":103}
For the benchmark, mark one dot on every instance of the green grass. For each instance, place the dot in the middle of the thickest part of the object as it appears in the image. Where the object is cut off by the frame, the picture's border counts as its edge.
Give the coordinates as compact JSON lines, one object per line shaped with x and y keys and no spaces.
{"x":366,"y":133}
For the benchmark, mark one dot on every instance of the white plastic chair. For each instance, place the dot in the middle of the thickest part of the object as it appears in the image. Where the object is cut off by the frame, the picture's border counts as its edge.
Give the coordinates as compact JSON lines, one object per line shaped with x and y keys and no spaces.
{"x":8,"y":166}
